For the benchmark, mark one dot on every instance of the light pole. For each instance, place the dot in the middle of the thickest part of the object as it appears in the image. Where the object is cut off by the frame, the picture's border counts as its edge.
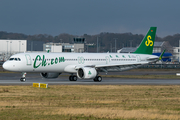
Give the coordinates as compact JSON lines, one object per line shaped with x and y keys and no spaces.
{"x":53,"y":47}
{"x":31,"y":46}
{"x":61,"y":40}
{"x":131,"y":43}
{"x":10,"y":47}
{"x":7,"y":48}
{"x":122,"y":45}
{"x":97,"y":45}
{"x":179,"y":50}
{"x":111,"y":47}
{"x":19,"y":46}
{"x":115,"y":44}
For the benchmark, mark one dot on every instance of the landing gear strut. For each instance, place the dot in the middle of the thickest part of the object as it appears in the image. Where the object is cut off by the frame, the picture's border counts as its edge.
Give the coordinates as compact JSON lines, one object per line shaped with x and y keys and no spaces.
{"x":23,"y":78}
{"x":98,"y":79}
{"x":73,"y":78}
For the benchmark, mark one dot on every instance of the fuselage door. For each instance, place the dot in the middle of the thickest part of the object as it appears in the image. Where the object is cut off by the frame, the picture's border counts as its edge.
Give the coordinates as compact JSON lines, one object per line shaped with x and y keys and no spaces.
{"x":138,"y":58}
{"x":28,"y":59}
{"x":107,"y":59}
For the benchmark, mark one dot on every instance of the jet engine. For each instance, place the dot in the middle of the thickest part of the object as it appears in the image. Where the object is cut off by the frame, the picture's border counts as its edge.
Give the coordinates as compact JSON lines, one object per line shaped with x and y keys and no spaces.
{"x":50,"y":75}
{"x":86,"y":73}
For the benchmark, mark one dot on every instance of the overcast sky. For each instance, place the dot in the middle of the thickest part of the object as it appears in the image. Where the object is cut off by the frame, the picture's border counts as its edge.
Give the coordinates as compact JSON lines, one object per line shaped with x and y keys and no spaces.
{"x":78,"y":17}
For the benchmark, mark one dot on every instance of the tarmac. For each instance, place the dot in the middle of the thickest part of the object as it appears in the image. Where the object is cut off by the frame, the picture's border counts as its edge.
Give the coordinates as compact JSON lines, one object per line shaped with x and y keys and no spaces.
{"x":13,"y":79}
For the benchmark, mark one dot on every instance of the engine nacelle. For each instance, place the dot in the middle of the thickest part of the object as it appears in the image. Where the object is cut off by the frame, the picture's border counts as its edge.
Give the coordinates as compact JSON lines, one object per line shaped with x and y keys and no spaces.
{"x":86,"y":73}
{"x":50,"y":75}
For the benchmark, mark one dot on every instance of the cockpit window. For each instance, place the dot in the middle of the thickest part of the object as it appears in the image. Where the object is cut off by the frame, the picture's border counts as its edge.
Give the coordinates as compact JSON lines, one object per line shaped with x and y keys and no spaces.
{"x":15,"y":59}
{"x":11,"y":59}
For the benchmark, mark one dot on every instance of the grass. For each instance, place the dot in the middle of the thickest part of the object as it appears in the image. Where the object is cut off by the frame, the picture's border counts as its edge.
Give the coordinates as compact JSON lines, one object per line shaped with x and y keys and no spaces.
{"x":91,"y":102}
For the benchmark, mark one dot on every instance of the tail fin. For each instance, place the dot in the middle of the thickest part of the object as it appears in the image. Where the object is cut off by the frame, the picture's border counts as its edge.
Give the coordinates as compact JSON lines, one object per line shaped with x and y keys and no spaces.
{"x":160,"y":57}
{"x":146,"y":46}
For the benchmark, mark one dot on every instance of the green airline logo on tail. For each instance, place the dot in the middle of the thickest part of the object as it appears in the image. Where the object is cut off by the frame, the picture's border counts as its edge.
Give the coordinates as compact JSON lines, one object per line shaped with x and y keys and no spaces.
{"x":147,"y":44}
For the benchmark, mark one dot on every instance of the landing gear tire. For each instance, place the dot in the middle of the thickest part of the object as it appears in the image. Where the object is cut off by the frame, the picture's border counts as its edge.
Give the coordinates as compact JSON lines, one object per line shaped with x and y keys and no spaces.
{"x":23,"y":79}
{"x":73,"y":78}
{"x":98,"y":79}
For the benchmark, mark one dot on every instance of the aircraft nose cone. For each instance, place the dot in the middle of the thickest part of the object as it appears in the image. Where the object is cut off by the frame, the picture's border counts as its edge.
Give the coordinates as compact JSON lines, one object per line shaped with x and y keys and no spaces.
{"x":5,"y":66}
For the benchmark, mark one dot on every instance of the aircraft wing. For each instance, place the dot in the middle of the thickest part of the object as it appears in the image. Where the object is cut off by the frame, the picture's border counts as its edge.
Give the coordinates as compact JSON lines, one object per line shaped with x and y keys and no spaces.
{"x":114,"y":67}
{"x":119,"y":67}
{"x":122,"y":64}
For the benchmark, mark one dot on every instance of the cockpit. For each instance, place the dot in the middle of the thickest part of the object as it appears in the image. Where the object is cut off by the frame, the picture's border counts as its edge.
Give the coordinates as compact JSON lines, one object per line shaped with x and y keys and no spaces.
{"x":14,"y":59}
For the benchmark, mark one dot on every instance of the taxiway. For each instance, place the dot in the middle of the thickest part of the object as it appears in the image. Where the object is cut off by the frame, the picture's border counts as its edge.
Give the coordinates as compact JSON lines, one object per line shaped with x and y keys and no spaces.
{"x":13,"y":79}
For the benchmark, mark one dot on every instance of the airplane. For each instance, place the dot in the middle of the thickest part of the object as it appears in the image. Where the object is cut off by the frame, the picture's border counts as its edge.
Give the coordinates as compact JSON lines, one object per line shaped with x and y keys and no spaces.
{"x":82,"y":65}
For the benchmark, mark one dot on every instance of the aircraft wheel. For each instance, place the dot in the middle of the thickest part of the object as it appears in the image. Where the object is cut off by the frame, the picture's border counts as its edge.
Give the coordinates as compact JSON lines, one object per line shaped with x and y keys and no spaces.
{"x":99,"y":78}
{"x":23,"y":79}
{"x":70,"y":78}
{"x":74,"y":78}
{"x":95,"y":79}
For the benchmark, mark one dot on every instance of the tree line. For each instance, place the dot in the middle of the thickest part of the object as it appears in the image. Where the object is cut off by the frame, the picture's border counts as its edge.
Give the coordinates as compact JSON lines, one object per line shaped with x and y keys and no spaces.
{"x":106,"y":41}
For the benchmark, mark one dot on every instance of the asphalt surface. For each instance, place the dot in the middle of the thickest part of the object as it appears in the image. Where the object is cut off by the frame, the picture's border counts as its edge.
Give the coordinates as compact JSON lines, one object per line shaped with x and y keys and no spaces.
{"x":13,"y":79}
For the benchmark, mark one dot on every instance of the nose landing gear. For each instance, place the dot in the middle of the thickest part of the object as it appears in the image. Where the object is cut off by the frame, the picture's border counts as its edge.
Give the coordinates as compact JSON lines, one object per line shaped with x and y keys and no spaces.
{"x":23,"y":78}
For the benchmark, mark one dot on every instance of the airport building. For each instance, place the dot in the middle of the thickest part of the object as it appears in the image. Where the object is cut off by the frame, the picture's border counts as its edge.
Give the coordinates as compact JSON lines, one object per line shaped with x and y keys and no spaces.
{"x":10,"y":47}
{"x":34,"y":45}
{"x":77,"y":47}
{"x":159,"y":47}
{"x":52,"y":47}
{"x":18,"y":46}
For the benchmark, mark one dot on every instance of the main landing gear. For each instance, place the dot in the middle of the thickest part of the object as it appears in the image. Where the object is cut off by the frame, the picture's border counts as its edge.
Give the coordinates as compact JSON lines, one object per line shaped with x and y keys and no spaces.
{"x":73,"y":78}
{"x":98,"y":79}
{"x":23,"y":78}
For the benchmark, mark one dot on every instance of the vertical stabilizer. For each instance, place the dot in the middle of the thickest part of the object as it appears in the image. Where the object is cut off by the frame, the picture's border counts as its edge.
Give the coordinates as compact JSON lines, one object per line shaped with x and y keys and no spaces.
{"x":146,"y":46}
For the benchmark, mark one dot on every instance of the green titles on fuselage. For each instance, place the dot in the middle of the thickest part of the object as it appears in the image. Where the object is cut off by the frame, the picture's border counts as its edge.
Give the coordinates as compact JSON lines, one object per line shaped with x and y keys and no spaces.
{"x":44,"y":63}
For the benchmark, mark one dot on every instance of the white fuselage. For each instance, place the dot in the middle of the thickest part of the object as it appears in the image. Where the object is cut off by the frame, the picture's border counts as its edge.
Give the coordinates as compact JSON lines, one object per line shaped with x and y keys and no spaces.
{"x":68,"y":62}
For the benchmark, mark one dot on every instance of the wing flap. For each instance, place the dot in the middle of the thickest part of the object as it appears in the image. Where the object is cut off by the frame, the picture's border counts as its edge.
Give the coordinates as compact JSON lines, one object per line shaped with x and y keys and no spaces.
{"x":123,"y":64}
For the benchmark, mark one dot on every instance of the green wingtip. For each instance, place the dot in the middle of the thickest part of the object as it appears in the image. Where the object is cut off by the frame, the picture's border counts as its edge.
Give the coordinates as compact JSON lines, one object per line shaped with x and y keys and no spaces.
{"x":160,"y":58}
